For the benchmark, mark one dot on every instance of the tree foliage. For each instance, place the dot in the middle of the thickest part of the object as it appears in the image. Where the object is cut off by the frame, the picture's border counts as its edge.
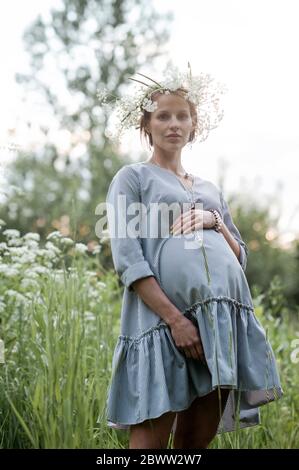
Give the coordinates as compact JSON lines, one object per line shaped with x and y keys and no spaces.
{"x":80,"y":46}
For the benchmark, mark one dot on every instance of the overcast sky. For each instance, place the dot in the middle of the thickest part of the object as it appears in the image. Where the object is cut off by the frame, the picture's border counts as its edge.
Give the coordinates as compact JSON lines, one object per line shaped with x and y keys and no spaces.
{"x":250,"y":45}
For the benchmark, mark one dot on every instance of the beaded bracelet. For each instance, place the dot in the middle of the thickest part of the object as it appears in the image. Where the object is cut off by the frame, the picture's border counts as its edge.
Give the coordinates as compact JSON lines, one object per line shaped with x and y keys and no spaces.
{"x":218,"y":223}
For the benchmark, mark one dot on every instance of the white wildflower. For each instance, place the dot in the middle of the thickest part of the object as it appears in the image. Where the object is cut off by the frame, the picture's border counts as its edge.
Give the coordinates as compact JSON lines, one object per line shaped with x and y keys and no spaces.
{"x":16,"y":296}
{"x":110,"y":134}
{"x":149,"y":105}
{"x":58,"y":272}
{"x":105,"y":237}
{"x":90,"y":273}
{"x":35,"y":270}
{"x":32,"y":236}
{"x":16,"y":265}
{"x":11,"y":233}
{"x":54,"y":235}
{"x":97,"y":249}
{"x":27,"y":257}
{"x":14,"y":241}
{"x":29,"y":284}
{"x":11,"y":293}
{"x":80,"y":248}
{"x":32,"y":296}
{"x":89,"y":315}
{"x":66,"y":241}
{"x":51,"y":255}
{"x":57,"y":275}
{"x":74,"y":313}
{"x":2,"y":307}
{"x":31,"y":274}
{"x":102,"y":95}
{"x":43,"y":252}
{"x":8,"y":271}
{"x":53,"y":249}
{"x":93,"y":293}
{"x":17,"y":251}
{"x":32,"y":244}
{"x":102,"y":285}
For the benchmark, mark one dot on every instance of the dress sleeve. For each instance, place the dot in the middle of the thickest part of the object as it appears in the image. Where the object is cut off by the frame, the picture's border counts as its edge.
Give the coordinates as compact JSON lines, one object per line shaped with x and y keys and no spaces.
{"x":227,"y":218}
{"x":126,"y":248}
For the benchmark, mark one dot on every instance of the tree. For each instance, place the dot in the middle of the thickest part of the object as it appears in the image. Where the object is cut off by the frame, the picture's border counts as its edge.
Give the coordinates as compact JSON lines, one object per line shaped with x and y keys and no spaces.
{"x":269,"y":267}
{"x":77,"y":48}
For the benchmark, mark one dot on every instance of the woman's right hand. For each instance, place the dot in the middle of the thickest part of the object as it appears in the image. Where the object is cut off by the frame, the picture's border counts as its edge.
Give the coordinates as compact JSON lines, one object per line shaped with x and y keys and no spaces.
{"x":187,"y":338}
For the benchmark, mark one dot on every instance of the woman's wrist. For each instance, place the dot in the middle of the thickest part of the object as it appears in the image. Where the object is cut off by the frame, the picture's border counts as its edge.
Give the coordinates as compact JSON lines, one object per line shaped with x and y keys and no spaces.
{"x":217,"y":223}
{"x":211,"y":220}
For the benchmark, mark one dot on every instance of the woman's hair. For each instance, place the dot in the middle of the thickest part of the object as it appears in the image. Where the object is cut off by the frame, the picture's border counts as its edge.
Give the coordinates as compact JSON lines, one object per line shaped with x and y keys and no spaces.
{"x":146,"y":116}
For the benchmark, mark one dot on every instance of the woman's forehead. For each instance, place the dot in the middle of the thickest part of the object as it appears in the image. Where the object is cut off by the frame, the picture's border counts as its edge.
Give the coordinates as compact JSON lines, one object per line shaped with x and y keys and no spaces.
{"x":167,"y":102}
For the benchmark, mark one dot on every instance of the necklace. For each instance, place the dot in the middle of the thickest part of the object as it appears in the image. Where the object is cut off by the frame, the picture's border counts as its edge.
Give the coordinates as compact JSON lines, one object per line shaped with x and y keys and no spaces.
{"x":185,"y":176}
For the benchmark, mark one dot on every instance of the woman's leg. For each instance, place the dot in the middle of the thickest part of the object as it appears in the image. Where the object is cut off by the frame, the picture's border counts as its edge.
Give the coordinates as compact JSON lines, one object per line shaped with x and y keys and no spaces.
{"x":152,"y":433}
{"x":197,"y":426}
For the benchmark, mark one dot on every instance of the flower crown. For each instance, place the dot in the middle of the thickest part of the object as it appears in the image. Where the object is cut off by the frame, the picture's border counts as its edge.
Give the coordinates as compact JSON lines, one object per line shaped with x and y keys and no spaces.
{"x":201,"y":90}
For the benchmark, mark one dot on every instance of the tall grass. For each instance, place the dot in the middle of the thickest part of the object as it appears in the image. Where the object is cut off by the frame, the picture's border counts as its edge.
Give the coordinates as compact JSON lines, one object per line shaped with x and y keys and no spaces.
{"x":59,"y":336}
{"x":60,"y":318}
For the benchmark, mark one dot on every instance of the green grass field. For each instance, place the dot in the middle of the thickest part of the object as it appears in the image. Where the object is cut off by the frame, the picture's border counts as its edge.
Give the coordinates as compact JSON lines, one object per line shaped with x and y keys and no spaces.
{"x":60,"y":318}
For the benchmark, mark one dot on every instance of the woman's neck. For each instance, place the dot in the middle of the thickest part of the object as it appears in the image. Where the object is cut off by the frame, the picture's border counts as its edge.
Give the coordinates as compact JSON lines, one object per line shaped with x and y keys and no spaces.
{"x":172,"y":163}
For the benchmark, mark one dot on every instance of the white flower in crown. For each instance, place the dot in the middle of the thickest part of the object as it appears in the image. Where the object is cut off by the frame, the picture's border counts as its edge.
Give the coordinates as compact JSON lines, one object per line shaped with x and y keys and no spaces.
{"x":149,"y":105}
{"x":102,"y":95}
{"x":201,"y":90}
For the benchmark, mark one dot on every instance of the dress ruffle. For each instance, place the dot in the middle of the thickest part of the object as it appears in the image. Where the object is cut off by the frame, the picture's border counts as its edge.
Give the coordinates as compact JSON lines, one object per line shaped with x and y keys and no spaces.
{"x":150,"y":376}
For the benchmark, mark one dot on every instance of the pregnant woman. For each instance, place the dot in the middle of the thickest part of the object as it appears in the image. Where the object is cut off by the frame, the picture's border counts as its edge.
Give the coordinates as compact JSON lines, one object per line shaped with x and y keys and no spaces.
{"x":191,"y":357}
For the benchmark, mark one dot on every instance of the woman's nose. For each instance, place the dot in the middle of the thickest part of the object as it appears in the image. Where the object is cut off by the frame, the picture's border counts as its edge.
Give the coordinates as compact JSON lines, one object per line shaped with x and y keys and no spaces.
{"x":174,"y":123}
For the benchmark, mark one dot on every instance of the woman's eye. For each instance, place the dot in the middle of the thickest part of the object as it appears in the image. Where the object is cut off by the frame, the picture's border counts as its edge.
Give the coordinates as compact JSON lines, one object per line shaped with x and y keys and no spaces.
{"x":165,"y":116}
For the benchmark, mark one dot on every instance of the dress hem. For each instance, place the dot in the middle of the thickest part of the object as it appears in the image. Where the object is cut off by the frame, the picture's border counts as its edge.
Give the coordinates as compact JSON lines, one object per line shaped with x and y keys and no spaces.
{"x":238,"y":424}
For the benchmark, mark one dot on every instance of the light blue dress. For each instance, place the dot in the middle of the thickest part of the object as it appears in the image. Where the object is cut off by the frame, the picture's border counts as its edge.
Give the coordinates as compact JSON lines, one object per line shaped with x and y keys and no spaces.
{"x":150,"y":376}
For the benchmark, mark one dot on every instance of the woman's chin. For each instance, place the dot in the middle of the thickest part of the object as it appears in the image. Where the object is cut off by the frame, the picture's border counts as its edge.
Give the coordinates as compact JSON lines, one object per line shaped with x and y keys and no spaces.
{"x":175,"y":143}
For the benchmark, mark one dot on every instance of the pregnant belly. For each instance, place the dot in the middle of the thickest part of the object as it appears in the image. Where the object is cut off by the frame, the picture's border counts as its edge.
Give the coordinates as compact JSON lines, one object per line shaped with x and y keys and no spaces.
{"x":183,"y":271}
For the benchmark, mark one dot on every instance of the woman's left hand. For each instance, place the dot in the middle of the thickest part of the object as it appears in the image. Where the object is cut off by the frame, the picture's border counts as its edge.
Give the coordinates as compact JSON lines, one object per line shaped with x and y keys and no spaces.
{"x":191,"y":220}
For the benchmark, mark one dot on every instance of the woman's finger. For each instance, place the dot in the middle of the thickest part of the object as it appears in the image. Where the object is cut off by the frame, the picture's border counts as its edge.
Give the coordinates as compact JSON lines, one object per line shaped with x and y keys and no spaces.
{"x":187,"y":353}
{"x":186,"y":215}
{"x":195,"y":353}
{"x":191,"y":221}
{"x":192,"y":227}
{"x":188,"y":228}
{"x":200,"y":353}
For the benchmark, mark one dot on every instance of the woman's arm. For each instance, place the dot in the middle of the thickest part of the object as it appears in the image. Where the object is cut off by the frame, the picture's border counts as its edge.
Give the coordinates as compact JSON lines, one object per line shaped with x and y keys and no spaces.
{"x":122,"y":201}
{"x":151,"y":293}
{"x":232,"y":234}
{"x":231,"y":240}
{"x":186,"y":336}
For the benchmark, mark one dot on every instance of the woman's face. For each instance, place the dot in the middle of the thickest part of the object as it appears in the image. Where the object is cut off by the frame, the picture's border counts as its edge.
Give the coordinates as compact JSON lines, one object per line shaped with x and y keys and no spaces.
{"x":171,"y":117}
